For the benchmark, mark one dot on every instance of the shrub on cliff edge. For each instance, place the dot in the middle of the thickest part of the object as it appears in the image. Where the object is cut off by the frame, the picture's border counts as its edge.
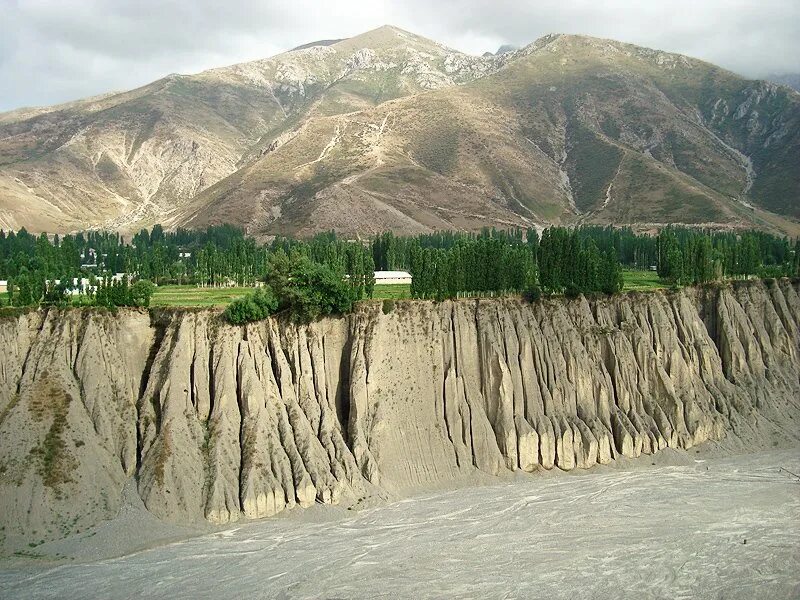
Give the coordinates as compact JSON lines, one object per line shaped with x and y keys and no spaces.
{"x":253,"y":307}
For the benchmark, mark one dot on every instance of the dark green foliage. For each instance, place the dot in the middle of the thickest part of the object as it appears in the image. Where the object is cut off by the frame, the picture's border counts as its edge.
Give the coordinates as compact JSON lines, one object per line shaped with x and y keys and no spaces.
{"x":388,"y":306}
{"x":328,"y":274}
{"x":487,"y":264}
{"x":690,"y":256}
{"x":610,"y":278}
{"x":253,"y":307}
{"x":309,"y":290}
{"x":141,"y":292}
{"x":24,"y":294}
{"x":572,"y":290}
{"x":386,"y":254}
{"x":369,"y":275}
{"x":796,"y":259}
{"x":111,"y":293}
{"x":532,"y":293}
{"x":56,"y":294}
{"x":571,"y":262}
{"x":578,"y":261}
{"x":304,"y":289}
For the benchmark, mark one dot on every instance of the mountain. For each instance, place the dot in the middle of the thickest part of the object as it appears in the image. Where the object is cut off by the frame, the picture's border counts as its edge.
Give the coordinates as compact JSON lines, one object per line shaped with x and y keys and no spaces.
{"x":391,"y":130}
{"x":318,"y":43}
{"x":789,"y":79}
{"x":506,"y":48}
{"x":138,"y":157}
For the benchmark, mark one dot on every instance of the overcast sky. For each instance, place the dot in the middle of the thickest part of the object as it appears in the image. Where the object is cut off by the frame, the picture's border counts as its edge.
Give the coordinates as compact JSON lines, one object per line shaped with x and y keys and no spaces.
{"x":57,"y":50}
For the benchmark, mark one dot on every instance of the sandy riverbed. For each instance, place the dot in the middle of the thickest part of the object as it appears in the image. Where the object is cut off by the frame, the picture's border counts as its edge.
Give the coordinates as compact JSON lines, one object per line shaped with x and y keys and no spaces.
{"x":692,"y":527}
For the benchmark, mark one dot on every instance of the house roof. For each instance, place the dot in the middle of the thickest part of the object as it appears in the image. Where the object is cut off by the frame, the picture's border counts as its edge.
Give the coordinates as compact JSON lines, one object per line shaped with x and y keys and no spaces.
{"x":392,"y":275}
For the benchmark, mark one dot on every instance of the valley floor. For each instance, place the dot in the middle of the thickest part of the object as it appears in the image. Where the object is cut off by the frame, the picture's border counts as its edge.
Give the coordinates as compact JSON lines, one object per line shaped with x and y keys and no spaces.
{"x":674,"y":525}
{"x":193,"y":296}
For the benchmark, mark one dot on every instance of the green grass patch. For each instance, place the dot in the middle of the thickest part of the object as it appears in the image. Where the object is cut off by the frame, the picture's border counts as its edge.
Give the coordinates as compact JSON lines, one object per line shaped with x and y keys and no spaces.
{"x":641,"y":281}
{"x":193,"y":296}
{"x":391,"y":292}
{"x":190,"y":295}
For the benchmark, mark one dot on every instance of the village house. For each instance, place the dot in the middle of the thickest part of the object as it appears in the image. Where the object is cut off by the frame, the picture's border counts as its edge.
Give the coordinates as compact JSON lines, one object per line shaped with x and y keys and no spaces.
{"x":83,"y":285}
{"x":392,"y":278}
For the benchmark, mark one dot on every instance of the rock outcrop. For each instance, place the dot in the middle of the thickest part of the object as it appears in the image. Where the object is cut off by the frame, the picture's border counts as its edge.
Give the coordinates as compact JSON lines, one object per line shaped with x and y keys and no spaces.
{"x":221,"y":423}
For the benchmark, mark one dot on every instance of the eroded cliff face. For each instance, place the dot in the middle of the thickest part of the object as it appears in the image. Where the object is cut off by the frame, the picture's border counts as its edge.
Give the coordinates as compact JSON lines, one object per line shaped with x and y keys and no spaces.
{"x":221,"y":423}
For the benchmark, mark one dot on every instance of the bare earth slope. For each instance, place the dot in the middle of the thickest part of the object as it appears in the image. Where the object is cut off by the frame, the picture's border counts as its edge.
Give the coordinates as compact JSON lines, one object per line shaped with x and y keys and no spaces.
{"x":220,"y":423}
{"x":391,"y":130}
{"x":135,"y":158}
{"x":571,"y":129}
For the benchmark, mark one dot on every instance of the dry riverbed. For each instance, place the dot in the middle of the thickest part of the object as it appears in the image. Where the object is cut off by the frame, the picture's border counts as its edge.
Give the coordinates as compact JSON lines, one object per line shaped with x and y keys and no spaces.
{"x":689,"y":526}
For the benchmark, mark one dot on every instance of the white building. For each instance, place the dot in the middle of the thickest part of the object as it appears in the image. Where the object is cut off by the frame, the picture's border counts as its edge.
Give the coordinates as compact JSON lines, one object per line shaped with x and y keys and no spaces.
{"x":84,"y":285}
{"x":76,"y":288}
{"x":392,"y":278}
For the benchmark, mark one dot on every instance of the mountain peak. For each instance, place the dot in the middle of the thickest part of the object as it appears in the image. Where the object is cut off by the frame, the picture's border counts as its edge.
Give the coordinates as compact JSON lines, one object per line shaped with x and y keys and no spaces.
{"x":342,"y":134}
{"x":389,"y":36}
{"x":392,"y":29}
{"x":506,"y":48}
{"x":308,"y":45}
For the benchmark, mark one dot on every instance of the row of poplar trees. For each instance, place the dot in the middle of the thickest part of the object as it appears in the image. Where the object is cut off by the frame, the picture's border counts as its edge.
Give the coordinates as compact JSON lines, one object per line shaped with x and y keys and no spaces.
{"x":443,"y":264}
{"x":562,"y":261}
{"x":688,"y":257}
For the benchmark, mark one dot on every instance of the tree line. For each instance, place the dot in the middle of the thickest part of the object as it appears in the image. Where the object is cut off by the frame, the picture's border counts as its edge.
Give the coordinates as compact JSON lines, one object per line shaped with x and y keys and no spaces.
{"x":687,"y":256}
{"x":443,"y":264}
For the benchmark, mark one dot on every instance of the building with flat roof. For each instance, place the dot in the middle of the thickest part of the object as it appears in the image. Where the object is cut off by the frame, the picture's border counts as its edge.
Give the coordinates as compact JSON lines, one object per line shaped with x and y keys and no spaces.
{"x":393,"y":277}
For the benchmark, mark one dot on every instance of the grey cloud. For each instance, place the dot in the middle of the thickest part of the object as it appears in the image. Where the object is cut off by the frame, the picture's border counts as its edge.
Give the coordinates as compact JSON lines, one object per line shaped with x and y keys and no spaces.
{"x":749,"y":37}
{"x":53,"y":51}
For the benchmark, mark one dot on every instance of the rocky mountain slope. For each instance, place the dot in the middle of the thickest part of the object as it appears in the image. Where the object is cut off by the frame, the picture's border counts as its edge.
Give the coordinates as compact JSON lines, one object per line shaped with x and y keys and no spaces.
{"x":391,"y":130}
{"x":128,"y":159}
{"x":223,"y":423}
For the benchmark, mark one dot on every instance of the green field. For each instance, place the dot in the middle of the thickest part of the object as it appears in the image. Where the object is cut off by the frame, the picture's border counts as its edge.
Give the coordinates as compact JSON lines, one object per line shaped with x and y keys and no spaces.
{"x":189,"y":295}
{"x":641,"y":281}
{"x":391,"y":292}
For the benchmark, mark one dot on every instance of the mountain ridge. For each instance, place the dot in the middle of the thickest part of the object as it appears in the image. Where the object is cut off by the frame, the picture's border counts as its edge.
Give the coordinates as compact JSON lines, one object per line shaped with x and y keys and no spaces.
{"x":564,"y":130}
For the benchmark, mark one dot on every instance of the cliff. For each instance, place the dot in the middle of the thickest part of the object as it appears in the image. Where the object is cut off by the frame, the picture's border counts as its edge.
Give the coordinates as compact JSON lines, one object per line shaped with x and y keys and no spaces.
{"x":222,"y":423}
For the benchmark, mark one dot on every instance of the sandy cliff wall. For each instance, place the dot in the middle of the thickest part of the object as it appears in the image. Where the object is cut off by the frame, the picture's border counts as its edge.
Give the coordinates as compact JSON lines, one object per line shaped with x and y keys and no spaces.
{"x":221,"y":423}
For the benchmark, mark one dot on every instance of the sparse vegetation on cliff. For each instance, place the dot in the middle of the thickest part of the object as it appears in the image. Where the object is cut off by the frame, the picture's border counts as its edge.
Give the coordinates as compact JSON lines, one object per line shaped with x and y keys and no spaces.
{"x":52,"y":458}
